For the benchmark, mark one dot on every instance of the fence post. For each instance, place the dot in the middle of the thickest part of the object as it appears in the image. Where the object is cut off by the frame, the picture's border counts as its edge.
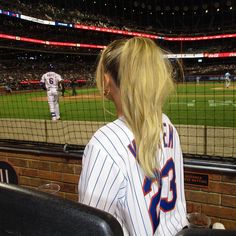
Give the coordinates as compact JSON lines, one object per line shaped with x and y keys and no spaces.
{"x":205,"y":139}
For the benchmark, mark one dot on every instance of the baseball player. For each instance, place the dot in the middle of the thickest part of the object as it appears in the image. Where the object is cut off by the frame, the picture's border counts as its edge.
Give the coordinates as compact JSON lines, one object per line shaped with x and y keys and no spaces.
{"x":227,"y":79}
{"x":133,"y":166}
{"x":53,"y":83}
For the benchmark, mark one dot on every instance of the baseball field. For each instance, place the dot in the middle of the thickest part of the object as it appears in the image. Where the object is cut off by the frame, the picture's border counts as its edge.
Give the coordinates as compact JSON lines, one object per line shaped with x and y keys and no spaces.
{"x":208,"y":104}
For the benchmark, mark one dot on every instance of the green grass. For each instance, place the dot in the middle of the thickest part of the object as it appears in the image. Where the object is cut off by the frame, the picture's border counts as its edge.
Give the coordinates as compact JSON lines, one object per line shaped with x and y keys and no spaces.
{"x":203,"y":104}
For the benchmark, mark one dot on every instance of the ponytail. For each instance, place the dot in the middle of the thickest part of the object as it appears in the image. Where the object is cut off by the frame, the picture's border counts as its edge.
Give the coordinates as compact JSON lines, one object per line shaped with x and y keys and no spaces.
{"x":145,"y":83}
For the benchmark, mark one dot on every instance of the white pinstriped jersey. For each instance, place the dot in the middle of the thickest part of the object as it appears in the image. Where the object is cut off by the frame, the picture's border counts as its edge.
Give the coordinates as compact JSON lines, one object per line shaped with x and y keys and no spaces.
{"x":112,"y":180}
{"x":51,"y":80}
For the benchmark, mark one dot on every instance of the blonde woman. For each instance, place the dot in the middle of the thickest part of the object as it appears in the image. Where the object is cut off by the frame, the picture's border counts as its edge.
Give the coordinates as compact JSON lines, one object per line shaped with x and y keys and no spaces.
{"x":133,"y":166}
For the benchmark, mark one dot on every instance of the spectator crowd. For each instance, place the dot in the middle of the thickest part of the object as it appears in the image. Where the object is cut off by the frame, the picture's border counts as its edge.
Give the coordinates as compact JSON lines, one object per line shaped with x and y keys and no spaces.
{"x":18,"y":68}
{"x":25,"y":73}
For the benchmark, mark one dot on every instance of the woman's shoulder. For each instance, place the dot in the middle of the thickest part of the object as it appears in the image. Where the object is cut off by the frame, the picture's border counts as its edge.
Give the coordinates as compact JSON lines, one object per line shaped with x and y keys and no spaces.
{"x":112,"y":140}
{"x":166,"y":119}
{"x":112,"y":133}
{"x":167,"y":122}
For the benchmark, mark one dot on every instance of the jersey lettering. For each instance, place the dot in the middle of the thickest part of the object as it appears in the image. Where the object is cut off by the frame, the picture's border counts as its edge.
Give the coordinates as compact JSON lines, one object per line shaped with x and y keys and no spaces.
{"x":153,"y":206}
{"x":132,"y":148}
{"x":165,"y":204}
{"x":157,"y":201}
{"x":168,"y":139}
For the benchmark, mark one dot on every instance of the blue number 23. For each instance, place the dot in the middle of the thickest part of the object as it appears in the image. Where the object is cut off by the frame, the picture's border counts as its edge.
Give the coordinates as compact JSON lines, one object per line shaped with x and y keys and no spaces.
{"x":165,"y":204}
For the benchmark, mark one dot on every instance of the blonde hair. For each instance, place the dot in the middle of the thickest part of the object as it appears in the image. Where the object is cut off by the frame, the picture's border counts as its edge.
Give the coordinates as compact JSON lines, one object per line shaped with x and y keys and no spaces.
{"x":144,"y":77}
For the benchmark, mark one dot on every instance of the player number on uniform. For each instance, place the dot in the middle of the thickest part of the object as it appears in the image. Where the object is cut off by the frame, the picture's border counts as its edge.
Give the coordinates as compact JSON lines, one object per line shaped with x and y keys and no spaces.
{"x":50,"y":80}
{"x":166,"y":204}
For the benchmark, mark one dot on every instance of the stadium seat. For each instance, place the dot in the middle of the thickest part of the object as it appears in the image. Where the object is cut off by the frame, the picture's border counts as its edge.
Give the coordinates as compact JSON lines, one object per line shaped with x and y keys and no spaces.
{"x":206,"y":232}
{"x":29,"y":212}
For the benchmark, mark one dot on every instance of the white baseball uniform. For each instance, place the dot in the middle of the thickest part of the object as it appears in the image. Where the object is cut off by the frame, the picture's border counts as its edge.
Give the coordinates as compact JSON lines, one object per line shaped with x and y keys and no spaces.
{"x":227,"y":79}
{"x":113,"y":181}
{"x":51,"y":80}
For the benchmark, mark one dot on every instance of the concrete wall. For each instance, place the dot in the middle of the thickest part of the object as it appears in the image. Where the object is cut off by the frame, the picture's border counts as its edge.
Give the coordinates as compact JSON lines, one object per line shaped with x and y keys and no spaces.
{"x":216,"y":141}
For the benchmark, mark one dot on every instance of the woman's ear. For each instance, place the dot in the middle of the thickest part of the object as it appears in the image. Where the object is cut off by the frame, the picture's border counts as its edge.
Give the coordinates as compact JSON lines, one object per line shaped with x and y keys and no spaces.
{"x":112,"y":92}
{"x":107,"y":86}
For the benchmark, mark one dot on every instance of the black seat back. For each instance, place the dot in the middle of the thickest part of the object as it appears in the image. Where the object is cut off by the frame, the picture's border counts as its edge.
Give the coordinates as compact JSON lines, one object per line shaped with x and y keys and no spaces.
{"x":27,"y":212}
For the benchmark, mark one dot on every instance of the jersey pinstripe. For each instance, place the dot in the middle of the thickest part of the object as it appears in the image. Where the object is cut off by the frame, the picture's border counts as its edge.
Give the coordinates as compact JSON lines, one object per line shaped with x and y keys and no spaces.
{"x":112,"y":180}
